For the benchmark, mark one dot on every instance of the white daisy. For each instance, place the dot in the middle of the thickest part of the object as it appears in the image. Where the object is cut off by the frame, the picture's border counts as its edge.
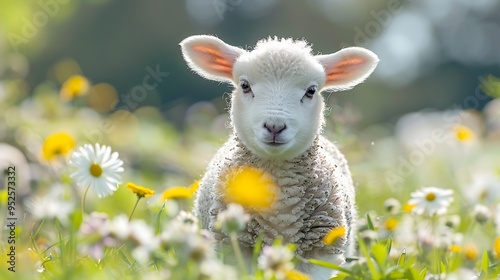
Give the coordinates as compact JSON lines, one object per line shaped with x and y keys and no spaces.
{"x":275,"y":260}
{"x":431,"y":200}
{"x":97,"y":168}
{"x":485,"y":187}
{"x":233,"y":219}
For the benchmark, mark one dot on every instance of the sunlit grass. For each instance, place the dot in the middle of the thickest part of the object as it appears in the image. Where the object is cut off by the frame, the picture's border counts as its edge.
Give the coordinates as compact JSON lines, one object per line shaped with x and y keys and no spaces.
{"x":407,"y":230}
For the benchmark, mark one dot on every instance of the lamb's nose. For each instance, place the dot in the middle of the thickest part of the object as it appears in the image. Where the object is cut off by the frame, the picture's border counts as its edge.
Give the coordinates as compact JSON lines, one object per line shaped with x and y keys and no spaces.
{"x":275,"y":129}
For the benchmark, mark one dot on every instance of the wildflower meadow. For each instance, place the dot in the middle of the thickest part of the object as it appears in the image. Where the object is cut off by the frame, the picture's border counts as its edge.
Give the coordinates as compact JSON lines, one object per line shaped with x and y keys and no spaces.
{"x":428,"y":209}
{"x":104,"y":138}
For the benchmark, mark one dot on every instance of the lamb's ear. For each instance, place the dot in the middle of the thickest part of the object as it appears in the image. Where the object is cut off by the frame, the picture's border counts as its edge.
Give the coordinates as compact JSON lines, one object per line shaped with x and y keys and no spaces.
{"x":210,"y":57}
{"x":347,"y":67}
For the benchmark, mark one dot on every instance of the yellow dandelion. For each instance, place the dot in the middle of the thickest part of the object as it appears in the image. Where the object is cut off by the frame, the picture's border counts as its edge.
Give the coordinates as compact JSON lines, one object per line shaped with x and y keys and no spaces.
{"x":181,"y":192}
{"x":334,"y":234}
{"x":140,"y":191}
{"x":296,"y":275}
{"x":496,"y":247}
{"x":250,"y":187}
{"x":58,"y":144}
{"x":463,"y":134}
{"x":455,"y":248}
{"x":76,"y":85}
{"x":391,"y":223}
{"x":194,"y":186}
{"x":471,"y":251}
{"x":407,"y":207}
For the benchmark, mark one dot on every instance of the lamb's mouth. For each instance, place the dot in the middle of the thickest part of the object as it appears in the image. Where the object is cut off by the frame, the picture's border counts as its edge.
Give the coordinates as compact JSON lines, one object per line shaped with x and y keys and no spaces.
{"x":274,"y":143}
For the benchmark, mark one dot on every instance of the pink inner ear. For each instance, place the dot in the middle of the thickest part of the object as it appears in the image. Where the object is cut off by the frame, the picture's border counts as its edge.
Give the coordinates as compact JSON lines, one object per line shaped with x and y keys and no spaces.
{"x":345,"y":69}
{"x":214,"y":59}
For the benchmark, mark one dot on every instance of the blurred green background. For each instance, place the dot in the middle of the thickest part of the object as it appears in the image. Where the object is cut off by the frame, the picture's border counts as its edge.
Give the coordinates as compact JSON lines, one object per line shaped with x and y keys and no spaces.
{"x":432,"y":54}
{"x":79,"y":67}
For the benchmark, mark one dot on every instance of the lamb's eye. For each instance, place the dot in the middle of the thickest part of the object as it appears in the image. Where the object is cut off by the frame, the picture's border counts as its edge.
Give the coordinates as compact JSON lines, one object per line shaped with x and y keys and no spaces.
{"x":245,"y":86}
{"x":310,"y":91}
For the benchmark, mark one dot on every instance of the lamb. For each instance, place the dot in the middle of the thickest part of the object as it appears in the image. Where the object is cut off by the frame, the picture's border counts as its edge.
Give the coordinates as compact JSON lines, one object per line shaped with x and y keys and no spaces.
{"x":277,"y":116}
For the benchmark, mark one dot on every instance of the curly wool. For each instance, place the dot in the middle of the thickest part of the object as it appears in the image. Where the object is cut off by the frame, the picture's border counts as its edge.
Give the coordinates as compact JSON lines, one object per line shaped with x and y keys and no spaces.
{"x":316,"y":195}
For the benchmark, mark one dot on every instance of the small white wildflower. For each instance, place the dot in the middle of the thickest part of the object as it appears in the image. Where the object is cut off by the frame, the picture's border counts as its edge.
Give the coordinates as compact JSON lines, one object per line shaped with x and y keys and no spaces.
{"x":141,"y":254}
{"x":145,"y":239}
{"x":94,"y":235}
{"x":95,"y":223}
{"x":98,"y":168}
{"x":119,"y":227}
{"x":485,"y":188}
{"x":183,"y":234}
{"x":431,"y":200}
{"x":369,"y":236}
{"x":141,"y":233}
{"x":462,"y":273}
{"x":406,"y":233}
{"x":425,"y":239}
{"x":187,"y":218}
{"x":481,"y":213}
{"x":178,"y":232}
{"x":50,"y":206}
{"x":452,"y":221}
{"x":212,"y":269}
{"x":392,"y":205}
{"x":275,"y":261}
{"x":233,"y":219}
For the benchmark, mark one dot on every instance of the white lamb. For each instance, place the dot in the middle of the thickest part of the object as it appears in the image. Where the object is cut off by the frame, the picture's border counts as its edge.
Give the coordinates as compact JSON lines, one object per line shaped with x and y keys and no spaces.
{"x":277,"y":118}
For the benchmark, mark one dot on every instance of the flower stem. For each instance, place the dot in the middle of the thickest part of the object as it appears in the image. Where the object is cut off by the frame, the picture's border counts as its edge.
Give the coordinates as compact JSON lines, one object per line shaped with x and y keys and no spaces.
{"x":237,"y":251}
{"x":133,"y":210}
{"x":83,"y":199}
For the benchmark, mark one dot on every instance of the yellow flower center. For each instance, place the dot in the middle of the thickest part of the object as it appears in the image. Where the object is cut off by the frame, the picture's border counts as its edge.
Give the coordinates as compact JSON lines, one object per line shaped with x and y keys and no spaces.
{"x":391,"y":223}
{"x":463,"y":133}
{"x":471,"y":251}
{"x":95,"y":170}
{"x":496,"y":246}
{"x":57,"y":151}
{"x":408,"y":207}
{"x":430,"y":196}
{"x":483,"y":194}
{"x":455,"y":248}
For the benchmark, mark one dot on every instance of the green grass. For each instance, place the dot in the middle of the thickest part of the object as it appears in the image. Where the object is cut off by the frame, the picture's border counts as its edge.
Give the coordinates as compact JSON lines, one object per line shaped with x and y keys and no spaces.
{"x":395,"y":244}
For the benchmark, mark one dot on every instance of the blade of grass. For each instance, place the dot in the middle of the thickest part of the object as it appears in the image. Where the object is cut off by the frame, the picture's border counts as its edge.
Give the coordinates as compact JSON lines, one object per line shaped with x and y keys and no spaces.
{"x":329,"y":265}
{"x":369,"y":221}
{"x":388,"y":245}
{"x":158,"y":220}
{"x":35,"y":234}
{"x":371,"y":266}
{"x":123,"y":257}
{"x":423,"y":273}
{"x":256,"y":251}
{"x":485,"y":263}
{"x":402,"y":258}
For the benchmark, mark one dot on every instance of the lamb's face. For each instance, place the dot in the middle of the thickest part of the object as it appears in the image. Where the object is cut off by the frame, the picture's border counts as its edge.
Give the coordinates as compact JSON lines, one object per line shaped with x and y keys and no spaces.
{"x":277,"y":109}
{"x":276,"y":106}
